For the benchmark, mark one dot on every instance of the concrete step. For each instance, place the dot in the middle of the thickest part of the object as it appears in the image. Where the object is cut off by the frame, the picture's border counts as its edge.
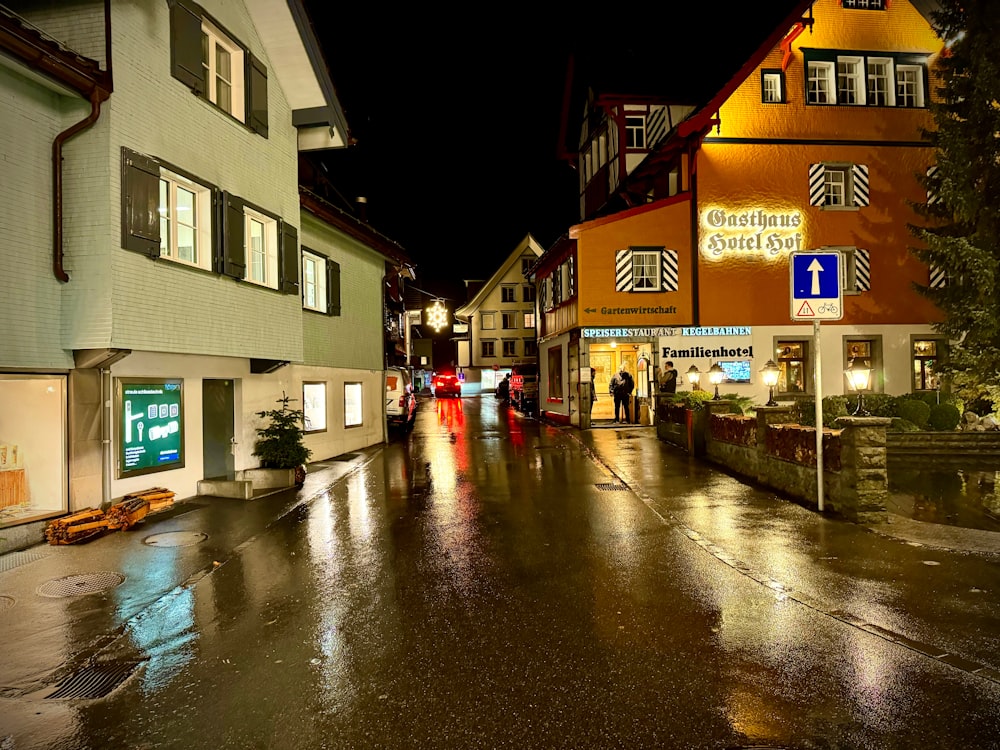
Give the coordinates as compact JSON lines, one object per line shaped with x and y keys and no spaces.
{"x":241,"y":489}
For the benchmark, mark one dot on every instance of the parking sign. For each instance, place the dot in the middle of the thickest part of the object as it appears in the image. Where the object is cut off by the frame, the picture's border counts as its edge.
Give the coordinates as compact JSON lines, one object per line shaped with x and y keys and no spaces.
{"x":816,"y":292}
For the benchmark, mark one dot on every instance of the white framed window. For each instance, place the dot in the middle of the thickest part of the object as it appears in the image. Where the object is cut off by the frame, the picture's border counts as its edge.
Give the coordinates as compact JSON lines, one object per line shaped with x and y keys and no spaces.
{"x":354,"y":413}
{"x":850,"y":80}
{"x":820,"y":89}
{"x":314,"y":406}
{"x":880,"y":78}
{"x":635,"y":131}
{"x":529,"y":320}
{"x":314,"y":293}
{"x":260,"y":237}
{"x":223,"y":63}
{"x":909,"y":86}
{"x":835,"y":186}
{"x":838,"y":186}
{"x":185,"y":209}
{"x":509,"y":348}
{"x":865,"y":4}
{"x":487,"y":321}
{"x":772,"y":87}
{"x":645,"y":271}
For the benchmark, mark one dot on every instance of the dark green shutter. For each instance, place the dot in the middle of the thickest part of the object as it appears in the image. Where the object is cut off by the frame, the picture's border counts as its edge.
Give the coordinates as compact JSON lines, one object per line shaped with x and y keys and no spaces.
{"x":332,"y":287}
{"x":185,"y":45}
{"x":288,"y":259}
{"x":234,"y":261}
{"x":140,"y":203}
{"x":257,"y":98}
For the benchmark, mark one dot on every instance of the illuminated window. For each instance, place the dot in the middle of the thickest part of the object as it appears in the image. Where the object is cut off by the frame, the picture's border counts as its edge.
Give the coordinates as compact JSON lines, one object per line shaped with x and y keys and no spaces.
{"x":635,"y":131}
{"x":509,"y":320}
{"x":222,"y":61}
{"x":792,"y":362}
{"x":488,"y":348}
{"x":185,"y":210}
{"x":850,"y":80}
{"x":529,"y":320}
{"x":353,"y":405}
{"x":508,"y":294}
{"x":314,"y":406}
{"x":509,"y":348}
{"x":772,"y":87}
{"x":260,"y":234}
{"x":927,"y":352}
{"x":865,"y":4}
{"x":820,"y":83}
{"x":867,"y":352}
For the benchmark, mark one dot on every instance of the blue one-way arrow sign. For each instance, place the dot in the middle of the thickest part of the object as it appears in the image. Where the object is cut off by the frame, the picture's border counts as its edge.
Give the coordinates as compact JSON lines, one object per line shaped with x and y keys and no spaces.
{"x":816,"y":292}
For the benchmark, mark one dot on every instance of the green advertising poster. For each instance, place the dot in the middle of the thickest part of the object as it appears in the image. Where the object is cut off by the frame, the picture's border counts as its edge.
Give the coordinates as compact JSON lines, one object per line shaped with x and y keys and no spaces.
{"x":150,"y":426}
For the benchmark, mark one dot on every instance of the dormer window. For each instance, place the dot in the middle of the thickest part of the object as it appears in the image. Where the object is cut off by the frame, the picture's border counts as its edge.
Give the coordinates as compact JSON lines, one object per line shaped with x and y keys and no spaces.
{"x":865,"y":4}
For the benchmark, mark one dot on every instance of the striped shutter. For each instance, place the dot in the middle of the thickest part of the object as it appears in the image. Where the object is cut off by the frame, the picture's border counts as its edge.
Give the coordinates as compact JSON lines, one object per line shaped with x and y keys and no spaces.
{"x":937,"y":277}
{"x":571,"y":277}
{"x":817,"y":188}
{"x":932,"y":197}
{"x":862,"y":270}
{"x":670,"y":281}
{"x":860,"y":184}
{"x":623,"y":270}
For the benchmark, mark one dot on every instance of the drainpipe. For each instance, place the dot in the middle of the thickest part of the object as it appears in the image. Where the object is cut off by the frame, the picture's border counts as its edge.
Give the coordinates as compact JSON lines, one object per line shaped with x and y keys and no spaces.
{"x":57,"y":198}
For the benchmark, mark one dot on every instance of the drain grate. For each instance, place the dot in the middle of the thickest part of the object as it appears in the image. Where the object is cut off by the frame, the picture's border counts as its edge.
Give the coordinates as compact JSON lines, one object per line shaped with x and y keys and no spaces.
{"x":611,"y":487}
{"x":84,"y":583}
{"x":175,"y":539}
{"x":12,"y":559}
{"x":94,"y":681}
{"x":6,"y":602}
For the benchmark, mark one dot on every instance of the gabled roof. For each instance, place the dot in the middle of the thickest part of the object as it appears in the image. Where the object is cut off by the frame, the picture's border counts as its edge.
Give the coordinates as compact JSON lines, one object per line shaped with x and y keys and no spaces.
{"x":297,"y":60}
{"x":354,"y":228}
{"x":528,"y":243}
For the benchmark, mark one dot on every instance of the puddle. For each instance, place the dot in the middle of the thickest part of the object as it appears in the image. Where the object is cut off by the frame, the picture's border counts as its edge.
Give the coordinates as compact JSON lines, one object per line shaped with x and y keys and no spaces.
{"x":968,"y":497}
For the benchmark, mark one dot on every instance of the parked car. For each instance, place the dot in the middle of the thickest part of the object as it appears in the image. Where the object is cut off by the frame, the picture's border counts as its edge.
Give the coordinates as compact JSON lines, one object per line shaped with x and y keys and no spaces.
{"x":400,"y":400}
{"x":447,"y":385}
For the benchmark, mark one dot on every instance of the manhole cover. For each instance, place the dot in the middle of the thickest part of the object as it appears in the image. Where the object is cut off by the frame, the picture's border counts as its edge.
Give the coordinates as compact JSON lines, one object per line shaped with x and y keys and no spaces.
{"x":6,"y":602}
{"x":175,"y":539}
{"x":95,"y":681}
{"x":84,"y":583}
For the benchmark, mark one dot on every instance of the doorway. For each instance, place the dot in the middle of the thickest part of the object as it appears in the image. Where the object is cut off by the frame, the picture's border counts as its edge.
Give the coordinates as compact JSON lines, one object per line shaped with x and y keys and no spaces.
{"x":606,"y":359}
{"x":218,"y":428}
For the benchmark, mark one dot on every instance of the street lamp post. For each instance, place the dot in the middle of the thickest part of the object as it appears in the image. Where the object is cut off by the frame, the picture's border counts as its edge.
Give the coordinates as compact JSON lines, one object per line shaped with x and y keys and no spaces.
{"x":715,"y":375}
{"x":694,"y":377}
{"x":770,"y":374}
{"x":859,"y":376}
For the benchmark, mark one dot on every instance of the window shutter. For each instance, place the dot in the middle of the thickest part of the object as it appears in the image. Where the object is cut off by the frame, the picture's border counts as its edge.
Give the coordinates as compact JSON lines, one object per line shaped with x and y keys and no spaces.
{"x":862,"y":270}
{"x":185,"y":45}
{"x":932,"y":195}
{"x":671,"y":278}
{"x":570,"y":277}
{"x":257,"y":99}
{"x":332,"y":288}
{"x":937,"y":277}
{"x":234,"y":261}
{"x":817,"y":188}
{"x":140,"y":203}
{"x":860,"y":184}
{"x":623,"y":270}
{"x":288,"y":259}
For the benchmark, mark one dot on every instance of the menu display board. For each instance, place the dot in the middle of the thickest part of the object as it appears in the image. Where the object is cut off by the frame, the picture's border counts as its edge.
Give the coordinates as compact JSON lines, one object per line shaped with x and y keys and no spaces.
{"x":150,"y":425}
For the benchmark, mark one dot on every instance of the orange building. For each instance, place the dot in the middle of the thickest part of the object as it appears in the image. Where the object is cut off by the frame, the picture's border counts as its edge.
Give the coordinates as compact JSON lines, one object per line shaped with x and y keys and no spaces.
{"x":814,"y":145}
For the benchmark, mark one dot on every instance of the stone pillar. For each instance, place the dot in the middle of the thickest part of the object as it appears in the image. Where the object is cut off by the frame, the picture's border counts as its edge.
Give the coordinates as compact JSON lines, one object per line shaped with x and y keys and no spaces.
{"x":864,"y":484}
{"x":769,"y":415}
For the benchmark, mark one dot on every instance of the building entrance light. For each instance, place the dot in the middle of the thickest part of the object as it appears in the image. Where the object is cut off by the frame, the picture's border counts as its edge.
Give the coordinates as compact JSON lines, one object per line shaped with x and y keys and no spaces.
{"x":715,"y":376}
{"x":859,"y":377}
{"x":770,"y":374}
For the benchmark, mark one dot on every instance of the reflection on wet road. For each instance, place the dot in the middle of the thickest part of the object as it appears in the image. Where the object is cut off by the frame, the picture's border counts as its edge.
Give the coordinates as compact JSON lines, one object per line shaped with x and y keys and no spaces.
{"x":492,"y":581}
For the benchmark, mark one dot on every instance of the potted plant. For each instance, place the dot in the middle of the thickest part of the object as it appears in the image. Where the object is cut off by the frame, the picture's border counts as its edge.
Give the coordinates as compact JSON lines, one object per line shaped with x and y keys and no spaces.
{"x":279,"y":443}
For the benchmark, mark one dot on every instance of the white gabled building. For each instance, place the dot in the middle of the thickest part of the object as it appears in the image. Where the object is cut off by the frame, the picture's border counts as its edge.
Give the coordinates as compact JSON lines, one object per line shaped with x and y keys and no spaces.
{"x":501,"y":320}
{"x":153,"y":284}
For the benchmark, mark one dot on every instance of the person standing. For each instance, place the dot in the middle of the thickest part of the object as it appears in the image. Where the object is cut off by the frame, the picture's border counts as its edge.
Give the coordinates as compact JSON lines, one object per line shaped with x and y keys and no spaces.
{"x":621,"y":388}
{"x":668,"y":379}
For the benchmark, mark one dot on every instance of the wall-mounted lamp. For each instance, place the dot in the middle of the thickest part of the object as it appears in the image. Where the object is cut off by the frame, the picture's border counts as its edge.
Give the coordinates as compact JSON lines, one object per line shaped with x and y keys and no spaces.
{"x":859,"y":376}
{"x":715,"y":376}
{"x":694,"y":377}
{"x":770,"y":374}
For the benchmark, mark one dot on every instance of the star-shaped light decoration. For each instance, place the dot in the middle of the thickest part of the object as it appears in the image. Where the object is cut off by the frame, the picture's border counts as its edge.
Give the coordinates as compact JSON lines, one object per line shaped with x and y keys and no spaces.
{"x":437,"y":315}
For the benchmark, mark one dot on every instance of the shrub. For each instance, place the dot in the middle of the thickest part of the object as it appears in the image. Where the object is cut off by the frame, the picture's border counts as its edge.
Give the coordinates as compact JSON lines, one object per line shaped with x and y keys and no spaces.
{"x":880,"y":404}
{"x":915,"y":411}
{"x":903,"y":425}
{"x":943,"y":417}
{"x":833,"y":407}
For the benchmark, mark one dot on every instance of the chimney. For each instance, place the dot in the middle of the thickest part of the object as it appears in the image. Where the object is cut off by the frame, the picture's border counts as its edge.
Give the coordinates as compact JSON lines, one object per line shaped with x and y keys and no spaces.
{"x":362,"y":208}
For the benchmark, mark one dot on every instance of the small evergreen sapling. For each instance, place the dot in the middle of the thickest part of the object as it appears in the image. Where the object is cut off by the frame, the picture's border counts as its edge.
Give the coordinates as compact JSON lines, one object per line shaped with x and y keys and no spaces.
{"x":279,"y":443}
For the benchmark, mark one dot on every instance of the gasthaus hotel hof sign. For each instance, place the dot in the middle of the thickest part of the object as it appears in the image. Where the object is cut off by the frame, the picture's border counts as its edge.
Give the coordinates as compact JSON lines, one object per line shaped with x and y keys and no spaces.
{"x":756,"y":231}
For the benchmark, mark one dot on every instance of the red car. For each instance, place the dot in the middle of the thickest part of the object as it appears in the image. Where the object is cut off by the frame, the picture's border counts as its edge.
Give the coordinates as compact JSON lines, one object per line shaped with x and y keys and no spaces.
{"x":447,"y":385}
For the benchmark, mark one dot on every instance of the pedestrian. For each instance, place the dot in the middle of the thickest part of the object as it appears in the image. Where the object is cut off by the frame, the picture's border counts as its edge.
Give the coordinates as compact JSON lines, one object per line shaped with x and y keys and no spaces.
{"x":593,"y":387}
{"x":621,"y":388}
{"x":668,"y":379}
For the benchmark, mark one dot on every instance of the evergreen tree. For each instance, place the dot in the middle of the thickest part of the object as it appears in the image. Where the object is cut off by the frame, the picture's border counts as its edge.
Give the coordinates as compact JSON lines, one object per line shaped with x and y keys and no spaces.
{"x":961,"y":235}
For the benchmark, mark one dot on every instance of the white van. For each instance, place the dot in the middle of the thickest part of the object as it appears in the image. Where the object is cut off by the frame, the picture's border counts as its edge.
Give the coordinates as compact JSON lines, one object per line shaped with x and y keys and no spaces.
{"x":400,"y":401}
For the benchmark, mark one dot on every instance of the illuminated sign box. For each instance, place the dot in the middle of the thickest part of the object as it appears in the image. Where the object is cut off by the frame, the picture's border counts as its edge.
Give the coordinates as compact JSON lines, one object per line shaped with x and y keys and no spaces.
{"x":150,"y":425}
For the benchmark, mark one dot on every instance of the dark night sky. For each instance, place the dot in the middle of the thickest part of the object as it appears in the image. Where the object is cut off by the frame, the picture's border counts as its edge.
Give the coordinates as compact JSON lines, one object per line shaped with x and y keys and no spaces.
{"x":457,"y":116}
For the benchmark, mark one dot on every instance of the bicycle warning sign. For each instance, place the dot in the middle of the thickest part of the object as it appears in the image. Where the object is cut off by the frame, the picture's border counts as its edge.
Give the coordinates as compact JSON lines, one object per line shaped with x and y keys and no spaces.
{"x":815,"y":281}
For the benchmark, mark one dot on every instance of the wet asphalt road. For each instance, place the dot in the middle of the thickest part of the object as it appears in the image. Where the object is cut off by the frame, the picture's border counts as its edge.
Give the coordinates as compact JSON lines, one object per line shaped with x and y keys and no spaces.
{"x":492,"y":582}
